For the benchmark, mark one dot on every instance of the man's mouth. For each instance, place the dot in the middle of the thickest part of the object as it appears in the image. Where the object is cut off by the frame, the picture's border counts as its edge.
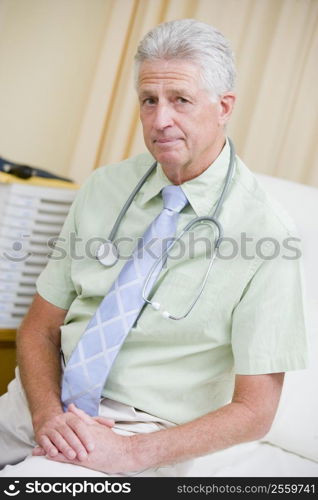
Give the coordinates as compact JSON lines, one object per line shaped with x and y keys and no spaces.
{"x":167,"y":140}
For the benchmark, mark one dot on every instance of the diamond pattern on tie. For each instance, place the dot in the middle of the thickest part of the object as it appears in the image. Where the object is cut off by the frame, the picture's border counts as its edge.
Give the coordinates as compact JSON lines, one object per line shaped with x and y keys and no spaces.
{"x":90,"y":363}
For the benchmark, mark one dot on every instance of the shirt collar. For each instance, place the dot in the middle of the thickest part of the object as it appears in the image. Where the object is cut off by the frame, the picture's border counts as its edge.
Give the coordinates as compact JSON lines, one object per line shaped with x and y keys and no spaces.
{"x":154,"y":184}
{"x":208,"y":183}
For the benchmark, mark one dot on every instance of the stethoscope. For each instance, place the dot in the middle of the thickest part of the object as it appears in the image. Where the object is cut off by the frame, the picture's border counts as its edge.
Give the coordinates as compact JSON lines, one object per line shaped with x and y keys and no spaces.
{"x":108,"y":254}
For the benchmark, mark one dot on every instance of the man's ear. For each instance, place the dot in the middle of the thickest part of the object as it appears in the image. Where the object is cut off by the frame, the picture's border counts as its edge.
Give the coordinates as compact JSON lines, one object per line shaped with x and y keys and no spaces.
{"x":226,"y":104}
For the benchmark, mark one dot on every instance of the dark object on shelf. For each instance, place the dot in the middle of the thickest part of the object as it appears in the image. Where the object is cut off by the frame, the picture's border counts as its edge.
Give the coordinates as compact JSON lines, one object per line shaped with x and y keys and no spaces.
{"x":25,"y":171}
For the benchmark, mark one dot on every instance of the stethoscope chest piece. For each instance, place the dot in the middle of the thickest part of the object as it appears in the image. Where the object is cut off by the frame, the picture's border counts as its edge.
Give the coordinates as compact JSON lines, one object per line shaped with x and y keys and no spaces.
{"x":107,"y":254}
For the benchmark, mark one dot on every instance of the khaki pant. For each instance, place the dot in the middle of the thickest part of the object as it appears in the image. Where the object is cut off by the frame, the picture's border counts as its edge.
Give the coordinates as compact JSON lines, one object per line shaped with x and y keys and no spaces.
{"x":17,"y":439}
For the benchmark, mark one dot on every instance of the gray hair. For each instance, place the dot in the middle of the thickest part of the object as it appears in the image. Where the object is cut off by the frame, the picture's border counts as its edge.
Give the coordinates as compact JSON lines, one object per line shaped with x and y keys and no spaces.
{"x":191,"y":40}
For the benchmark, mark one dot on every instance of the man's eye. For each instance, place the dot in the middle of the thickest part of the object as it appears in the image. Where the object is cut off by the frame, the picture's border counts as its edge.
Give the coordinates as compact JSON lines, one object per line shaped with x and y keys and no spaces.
{"x":182,"y":100}
{"x":148,"y":101}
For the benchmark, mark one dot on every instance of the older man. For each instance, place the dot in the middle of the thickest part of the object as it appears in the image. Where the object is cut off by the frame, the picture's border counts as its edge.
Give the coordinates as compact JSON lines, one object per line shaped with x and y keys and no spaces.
{"x":176,"y":389}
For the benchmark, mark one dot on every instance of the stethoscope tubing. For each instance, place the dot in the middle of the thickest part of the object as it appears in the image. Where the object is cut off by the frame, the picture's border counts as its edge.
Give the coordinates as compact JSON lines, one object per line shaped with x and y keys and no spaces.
{"x":144,"y":178}
{"x":197,"y":220}
{"x":129,"y":201}
{"x":211,"y":219}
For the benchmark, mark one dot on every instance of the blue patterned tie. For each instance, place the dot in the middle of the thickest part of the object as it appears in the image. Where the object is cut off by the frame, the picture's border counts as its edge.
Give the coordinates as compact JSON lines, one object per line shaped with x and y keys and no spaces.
{"x":90,"y":363}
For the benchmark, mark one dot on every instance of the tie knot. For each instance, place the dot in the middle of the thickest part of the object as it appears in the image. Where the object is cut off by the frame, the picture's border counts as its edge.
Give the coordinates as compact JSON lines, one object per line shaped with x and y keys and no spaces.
{"x":174,"y":198}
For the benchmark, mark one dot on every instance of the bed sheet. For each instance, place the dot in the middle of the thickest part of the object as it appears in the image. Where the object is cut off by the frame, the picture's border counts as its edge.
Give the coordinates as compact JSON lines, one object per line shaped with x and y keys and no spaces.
{"x":255,"y":459}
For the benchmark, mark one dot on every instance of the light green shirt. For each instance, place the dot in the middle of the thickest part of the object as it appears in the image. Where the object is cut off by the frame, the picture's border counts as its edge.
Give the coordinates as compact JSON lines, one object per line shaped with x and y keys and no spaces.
{"x":249,"y":319}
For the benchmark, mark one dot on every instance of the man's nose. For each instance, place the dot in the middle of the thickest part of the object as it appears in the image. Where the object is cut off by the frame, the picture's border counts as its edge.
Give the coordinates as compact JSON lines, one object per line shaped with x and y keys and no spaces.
{"x":163,"y":117}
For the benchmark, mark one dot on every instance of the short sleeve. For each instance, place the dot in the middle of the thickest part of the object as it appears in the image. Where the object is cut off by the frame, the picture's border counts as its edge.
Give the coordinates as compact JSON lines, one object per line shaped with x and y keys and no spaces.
{"x":54,"y":283}
{"x":268,"y":323}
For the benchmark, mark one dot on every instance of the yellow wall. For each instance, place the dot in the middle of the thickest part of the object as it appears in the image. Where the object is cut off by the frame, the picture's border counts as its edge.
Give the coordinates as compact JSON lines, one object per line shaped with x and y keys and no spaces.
{"x":48,"y":53}
{"x":67,"y":99}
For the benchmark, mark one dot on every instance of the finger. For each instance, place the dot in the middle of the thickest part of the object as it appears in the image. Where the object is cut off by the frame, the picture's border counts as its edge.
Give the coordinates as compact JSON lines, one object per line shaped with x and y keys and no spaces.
{"x":68,"y":442}
{"x":90,"y":420}
{"x":82,"y":431}
{"x":80,"y":413}
{"x":47,"y":445}
{"x":38,"y":451}
{"x":61,"y":458}
{"x":104,"y":421}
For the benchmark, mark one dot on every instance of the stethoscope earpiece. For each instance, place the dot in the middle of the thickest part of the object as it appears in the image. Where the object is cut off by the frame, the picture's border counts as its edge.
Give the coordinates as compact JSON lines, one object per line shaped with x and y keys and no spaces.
{"x":166,"y":315}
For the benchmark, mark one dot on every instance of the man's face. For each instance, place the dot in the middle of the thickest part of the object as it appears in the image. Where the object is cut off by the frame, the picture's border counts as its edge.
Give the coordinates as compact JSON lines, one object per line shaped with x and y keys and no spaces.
{"x":183,"y":128}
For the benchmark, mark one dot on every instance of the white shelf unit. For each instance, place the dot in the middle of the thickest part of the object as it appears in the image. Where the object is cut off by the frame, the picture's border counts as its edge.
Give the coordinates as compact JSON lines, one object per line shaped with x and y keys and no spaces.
{"x":30,"y":215}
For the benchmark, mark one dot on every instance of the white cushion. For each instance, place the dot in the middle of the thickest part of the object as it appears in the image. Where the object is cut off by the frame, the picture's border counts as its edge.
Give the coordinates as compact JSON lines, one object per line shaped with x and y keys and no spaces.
{"x":301,"y":202}
{"x":295,"y":427}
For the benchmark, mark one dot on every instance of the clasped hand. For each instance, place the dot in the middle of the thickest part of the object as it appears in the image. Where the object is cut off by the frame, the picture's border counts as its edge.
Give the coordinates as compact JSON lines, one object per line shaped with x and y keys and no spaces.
{"x":75,"y":437}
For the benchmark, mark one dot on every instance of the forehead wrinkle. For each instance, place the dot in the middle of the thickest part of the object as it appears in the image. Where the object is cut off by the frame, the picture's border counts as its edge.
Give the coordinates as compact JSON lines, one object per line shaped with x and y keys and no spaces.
{"x":173,"y":91}
{"x":166,"y":74}
{"x":164,"y":81}
{"x":180,"y":86}
{"x":169,"y":71}
{"x":155,"y":75}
